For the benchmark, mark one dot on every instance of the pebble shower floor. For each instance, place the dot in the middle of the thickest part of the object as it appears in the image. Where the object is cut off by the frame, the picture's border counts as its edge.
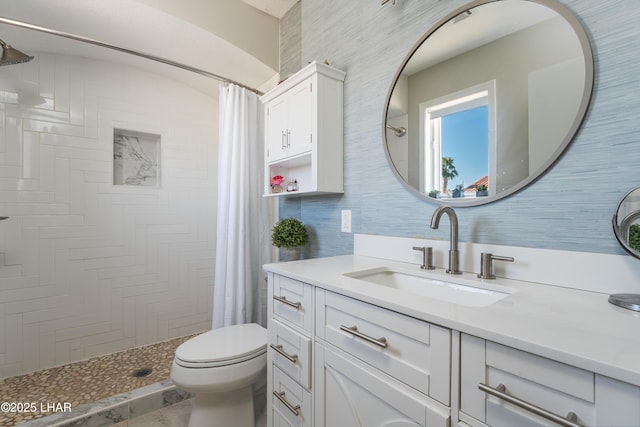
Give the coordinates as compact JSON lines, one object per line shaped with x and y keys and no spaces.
{"x":84,"y":382}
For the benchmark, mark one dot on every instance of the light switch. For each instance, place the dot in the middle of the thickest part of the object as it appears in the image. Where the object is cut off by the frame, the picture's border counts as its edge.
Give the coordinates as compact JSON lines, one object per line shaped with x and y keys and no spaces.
{"x":346,"y":221}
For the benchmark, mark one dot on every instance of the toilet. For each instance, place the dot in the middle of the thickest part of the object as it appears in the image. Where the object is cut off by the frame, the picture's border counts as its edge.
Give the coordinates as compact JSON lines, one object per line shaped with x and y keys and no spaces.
{"x":220,"y":368}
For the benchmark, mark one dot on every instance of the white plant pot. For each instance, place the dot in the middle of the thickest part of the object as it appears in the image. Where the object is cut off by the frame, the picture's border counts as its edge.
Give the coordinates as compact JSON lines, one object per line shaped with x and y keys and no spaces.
{"x":291,"y":253}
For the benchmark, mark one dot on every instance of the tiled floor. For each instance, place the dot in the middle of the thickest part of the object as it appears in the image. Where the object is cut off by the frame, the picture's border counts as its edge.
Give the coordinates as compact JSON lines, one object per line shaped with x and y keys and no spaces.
{"x":81,"y":383}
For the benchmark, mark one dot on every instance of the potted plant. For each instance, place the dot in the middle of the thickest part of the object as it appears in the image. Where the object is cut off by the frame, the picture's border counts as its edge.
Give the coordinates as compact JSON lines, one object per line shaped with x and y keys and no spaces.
{"x":458,"y":191}
{"x":481,"y":190}
{"x":434,"y":194}
{"x":275,"y":184}
{"x":289,"y":234}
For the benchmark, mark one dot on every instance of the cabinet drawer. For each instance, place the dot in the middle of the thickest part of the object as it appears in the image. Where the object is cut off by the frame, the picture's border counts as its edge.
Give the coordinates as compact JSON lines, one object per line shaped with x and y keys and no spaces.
{"x":553,"y":386}
{"x":290,"y":402}
{"x":291,"y":351}
{"x":292,"y":302}
{"x":413,"y":351}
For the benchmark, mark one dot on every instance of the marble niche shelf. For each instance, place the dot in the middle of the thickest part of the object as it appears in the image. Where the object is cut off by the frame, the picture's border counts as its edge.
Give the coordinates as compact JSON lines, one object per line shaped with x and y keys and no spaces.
{"x":136,"y":158}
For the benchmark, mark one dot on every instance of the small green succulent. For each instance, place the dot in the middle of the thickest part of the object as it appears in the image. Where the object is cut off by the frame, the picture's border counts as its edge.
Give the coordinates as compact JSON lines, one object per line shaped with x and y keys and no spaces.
{"x":289,"y":232}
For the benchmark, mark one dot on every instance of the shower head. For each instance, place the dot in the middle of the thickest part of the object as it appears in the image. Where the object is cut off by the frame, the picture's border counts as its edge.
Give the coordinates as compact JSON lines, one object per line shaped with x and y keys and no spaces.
{"x":12,"y":56}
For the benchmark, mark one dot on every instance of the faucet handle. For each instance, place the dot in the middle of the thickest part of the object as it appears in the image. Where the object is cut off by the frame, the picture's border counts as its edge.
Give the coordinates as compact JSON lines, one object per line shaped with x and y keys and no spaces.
{"x":427,"y":257}
{"x":486,"y":264}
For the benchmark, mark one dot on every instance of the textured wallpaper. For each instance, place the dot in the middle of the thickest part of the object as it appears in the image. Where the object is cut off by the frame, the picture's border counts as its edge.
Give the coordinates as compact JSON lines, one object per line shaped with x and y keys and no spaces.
{"x":569,"y":208}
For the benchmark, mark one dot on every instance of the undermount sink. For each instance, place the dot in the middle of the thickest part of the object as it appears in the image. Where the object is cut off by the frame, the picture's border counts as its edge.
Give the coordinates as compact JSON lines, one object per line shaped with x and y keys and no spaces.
{"x":459,"y":291}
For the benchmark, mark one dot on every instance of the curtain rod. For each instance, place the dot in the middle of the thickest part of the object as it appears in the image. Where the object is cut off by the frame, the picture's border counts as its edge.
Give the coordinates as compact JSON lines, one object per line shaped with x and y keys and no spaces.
{"x":29,"y":26}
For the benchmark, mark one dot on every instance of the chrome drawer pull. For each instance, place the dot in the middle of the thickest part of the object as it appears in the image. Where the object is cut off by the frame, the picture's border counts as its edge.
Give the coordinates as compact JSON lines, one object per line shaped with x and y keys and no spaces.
{"x":284,"y":300}
{"x":380,"y":342}
{"x":571,"y":420}
{"x":291,"y":358}
{"x":294,"y":409}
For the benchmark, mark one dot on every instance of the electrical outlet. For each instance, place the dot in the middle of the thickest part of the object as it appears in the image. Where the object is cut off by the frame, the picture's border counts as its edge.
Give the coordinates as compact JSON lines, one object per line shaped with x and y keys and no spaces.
{"x":346,"y":221}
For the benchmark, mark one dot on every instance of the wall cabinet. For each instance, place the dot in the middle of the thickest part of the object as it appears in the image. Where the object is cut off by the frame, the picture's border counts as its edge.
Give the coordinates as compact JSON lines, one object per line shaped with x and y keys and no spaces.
{"x":288,"y":123}
{"x":304,"y":131}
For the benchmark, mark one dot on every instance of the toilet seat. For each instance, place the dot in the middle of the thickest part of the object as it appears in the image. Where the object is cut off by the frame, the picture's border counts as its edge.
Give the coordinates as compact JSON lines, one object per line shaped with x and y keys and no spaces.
{"x":222,"y":347}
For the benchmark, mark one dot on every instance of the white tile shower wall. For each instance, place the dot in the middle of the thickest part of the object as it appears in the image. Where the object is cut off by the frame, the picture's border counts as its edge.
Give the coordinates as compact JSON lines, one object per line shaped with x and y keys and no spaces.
{"x":89,"y":268}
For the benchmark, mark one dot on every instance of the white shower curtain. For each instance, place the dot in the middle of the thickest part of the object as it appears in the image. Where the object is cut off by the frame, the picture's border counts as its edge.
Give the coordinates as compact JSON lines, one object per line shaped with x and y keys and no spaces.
{"x":243,"y":222}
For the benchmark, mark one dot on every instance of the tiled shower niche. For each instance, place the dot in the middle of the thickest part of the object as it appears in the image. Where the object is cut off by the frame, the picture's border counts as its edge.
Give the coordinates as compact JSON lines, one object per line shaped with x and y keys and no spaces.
{"x":136,"y":158}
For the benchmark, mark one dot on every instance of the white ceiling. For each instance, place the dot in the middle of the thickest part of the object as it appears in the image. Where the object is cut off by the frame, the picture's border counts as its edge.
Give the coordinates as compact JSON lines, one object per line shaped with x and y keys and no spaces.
{"x":276,"y":8}
{"x":483,"y":25}
{"x":137,"y":26}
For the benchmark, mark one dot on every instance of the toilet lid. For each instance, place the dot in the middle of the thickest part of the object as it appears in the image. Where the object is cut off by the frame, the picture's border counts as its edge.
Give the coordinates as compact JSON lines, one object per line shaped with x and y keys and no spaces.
{"x":223,"y":346}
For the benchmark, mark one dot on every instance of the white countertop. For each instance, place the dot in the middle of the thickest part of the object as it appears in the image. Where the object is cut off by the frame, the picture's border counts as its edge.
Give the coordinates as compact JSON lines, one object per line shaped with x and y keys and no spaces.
{"x":576,"y":327}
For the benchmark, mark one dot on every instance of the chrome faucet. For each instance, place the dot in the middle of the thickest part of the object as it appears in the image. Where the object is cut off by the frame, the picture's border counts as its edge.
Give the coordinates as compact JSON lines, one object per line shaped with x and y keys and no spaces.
{"x":454,"y":257}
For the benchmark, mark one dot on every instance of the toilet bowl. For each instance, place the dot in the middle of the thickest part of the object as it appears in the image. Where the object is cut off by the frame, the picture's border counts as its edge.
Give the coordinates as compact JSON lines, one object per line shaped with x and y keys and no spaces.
{"x":220,"y":367}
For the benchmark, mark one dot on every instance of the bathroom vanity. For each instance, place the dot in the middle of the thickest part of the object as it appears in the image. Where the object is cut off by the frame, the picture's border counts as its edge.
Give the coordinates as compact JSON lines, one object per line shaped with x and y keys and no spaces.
{"x":363,"y":341}
{"x":372,"y":339}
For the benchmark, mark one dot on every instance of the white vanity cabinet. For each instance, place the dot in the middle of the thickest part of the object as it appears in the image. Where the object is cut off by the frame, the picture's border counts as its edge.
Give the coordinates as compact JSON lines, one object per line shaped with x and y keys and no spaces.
{"x":337,"y":361}
{"x":375,"y":367}
{"x":504,"y":386}
{"x":368,"y":355}
{"x":304,"y":131}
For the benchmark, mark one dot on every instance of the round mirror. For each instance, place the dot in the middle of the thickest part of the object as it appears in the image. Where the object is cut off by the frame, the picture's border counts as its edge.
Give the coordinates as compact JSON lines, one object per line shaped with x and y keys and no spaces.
{"x":626,"y":223}
{"x":488,"y":100}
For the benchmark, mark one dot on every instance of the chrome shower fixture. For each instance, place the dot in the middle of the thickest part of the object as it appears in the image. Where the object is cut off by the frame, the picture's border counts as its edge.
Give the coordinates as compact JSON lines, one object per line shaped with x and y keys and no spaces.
{"x":12,"y":56}
{"x":398,"y":131}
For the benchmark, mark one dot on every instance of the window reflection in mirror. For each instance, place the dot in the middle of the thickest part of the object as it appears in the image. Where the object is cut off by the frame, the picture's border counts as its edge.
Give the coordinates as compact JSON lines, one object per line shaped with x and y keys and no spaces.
{"x":458,"y":131}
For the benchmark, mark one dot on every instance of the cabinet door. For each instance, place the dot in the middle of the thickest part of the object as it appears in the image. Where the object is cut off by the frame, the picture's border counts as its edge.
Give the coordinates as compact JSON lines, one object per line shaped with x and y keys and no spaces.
{"x":618,"y":403}
{"x":514,"y":376}
{"x":349,"y":393}
{"x":299,"y":137}
{"x":276,"y":129}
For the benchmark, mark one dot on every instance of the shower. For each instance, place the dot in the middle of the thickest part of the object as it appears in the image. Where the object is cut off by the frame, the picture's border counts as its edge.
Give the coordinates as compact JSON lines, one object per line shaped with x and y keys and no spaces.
{"x":12,"y":56}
